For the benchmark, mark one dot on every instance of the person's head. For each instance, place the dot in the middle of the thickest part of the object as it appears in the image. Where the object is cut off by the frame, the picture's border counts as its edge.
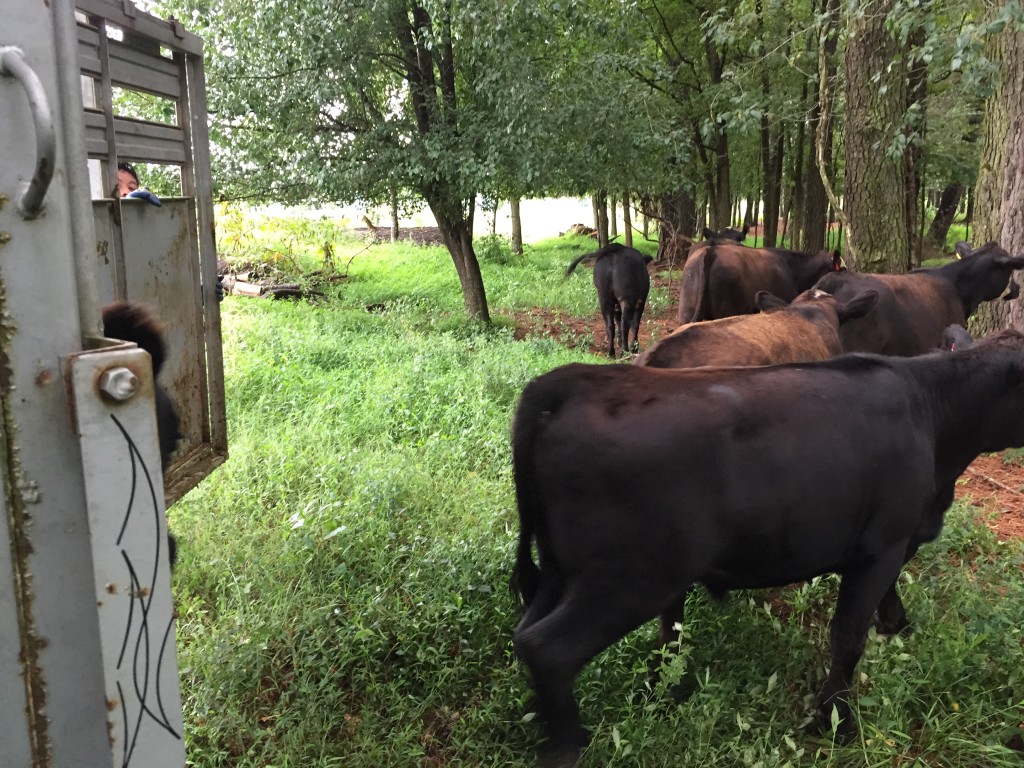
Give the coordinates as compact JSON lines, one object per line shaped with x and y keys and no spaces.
{"x":127,"y":179}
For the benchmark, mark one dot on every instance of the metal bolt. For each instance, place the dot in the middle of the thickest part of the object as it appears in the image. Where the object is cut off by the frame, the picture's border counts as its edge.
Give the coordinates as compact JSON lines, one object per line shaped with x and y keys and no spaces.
{"x":119,"y":383}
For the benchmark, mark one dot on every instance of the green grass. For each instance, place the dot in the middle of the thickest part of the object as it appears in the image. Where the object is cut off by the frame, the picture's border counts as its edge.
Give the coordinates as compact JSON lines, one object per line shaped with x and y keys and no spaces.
{"x":342,"y":593}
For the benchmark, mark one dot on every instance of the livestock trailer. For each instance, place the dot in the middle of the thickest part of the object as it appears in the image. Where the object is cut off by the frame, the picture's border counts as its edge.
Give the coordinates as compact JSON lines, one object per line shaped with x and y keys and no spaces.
{"x":88,"y":672}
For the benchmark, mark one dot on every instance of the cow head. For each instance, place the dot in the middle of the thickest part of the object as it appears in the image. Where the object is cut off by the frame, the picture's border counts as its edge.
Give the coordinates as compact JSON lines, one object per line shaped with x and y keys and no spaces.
{"x":982,"y":274}
{"x":956,"y":337}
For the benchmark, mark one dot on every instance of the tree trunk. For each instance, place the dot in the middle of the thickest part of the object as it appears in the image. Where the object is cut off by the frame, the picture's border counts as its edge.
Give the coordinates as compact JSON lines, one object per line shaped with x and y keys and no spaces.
{"x":613,"y":220}
{"x":602,"y":218}
{"x":814,"y":214}
{"x":457,"y":232}
{"x":627,"y":220}
{"x":394,"y":219}
{"x":913,"y":155}
{"x":678,"y":221}
{"x":517,"y":226}
{"x":1000,"y":188}
{"x":949,"y":202}
{"x":875,"y":188}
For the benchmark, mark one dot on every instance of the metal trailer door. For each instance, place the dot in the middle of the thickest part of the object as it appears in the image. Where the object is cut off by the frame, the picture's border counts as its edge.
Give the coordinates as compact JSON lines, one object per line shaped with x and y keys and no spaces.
{"x":88,"y":675}
{"x":162,"y":256}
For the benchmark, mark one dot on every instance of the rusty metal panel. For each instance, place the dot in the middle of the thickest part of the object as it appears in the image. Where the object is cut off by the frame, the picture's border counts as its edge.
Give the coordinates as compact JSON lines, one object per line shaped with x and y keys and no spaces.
{"x":128,"y":534}
{"x":165,"y":257}
{"x":160,"y":267}
{"x":17,"y":747}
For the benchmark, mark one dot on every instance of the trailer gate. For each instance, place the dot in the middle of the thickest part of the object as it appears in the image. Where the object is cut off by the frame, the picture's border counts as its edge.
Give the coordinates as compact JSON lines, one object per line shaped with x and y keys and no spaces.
{"x":88,"y":670}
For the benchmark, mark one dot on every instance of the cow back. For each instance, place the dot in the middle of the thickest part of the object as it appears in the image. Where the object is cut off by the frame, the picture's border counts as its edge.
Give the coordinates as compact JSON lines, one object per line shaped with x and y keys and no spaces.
{"x":722,"y":279}
{"x":912,"y":313}
{"x":781,"y":336}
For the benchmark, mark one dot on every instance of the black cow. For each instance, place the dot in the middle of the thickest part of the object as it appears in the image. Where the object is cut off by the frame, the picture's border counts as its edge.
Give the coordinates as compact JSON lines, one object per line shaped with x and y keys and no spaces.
{"x":736,"y":235}
{"x":739,"y":478}
{"x":806,"y":329}
{"x":956,"y":337}
{"x":622,"y":282}
{"x":915,"y":308}
{"x":721,"y":279}
{"x":134,"y":322}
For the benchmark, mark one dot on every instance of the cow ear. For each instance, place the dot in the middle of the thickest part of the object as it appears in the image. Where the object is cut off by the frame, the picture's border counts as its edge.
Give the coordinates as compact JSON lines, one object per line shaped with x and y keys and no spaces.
{"x":837,"y":261}
{"x":1013,"y":291}
{"x":858,"y":306}
{"x":964,"y":249}
{"x":766,"y":300}
{"x":706,"y":233}
{"x":1015,"y":262}
{"x":746,"y":228}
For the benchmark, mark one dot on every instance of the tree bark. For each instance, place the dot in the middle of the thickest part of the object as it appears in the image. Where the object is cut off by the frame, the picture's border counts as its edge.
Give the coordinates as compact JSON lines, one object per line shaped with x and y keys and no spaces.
{"x":875,"y":188}
{"x":613,"y":220}
{"x":627,"y":220}
{"x":913,"y":155}
{"x":1000,"y":189}
{"x":457,"y":232}
{"x":949,"y":201}
{"x":678,"y":222}
{"x":602,"y":218}
{"x":814,"y":213}
{"x":394,"y":219}
{"x":517,"y":226}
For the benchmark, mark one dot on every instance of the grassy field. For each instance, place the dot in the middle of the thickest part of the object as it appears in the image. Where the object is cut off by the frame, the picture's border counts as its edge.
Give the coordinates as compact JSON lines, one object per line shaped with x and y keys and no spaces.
{"x":342,"y":592}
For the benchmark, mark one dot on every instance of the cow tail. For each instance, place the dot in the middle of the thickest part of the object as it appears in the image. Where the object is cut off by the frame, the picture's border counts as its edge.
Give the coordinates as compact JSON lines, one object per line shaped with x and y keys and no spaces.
{"x":694,"y":292}
{"x":572,"y":267}
{"x":536,"y":406}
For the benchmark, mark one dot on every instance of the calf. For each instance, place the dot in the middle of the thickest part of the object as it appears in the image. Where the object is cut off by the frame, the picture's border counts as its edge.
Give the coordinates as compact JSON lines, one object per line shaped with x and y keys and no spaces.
{"x":622,"y":282}
{"x":915,"y":308}
{"x":738,"y":478}
{"x":805,"y":330}
{"x":721,"y":279}
{"x":736,"y":235}
{"x":134,"y":322}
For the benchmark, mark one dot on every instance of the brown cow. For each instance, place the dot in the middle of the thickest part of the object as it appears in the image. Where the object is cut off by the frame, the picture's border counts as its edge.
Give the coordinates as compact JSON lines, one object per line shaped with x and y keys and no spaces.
{"x":805,"y":330}
{"x":915,"y":308}
{"x":721,"y":279}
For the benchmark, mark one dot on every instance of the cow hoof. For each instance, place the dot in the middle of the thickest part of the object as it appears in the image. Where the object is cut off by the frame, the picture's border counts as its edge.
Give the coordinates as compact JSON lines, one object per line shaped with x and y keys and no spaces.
{"x":846,"y":731}
{"x":886,"y":626}
{"x":564,"y":755}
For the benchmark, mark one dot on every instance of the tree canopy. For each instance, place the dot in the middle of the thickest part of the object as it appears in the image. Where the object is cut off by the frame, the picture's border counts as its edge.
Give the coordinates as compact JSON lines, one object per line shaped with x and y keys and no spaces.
{"x":689,"y":106}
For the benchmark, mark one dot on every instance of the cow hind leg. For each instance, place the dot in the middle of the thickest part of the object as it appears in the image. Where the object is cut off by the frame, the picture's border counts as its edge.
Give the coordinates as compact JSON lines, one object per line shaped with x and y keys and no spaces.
{"x":860,"y":593}
{"x":630,"y":328}
{"x":891,"y":617}
{"x":610,"y":314}
{"x":555,"y":647}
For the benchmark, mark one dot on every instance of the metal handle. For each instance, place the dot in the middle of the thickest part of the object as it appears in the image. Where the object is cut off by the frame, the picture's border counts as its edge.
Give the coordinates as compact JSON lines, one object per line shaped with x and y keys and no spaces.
{"x":31,"y":193}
